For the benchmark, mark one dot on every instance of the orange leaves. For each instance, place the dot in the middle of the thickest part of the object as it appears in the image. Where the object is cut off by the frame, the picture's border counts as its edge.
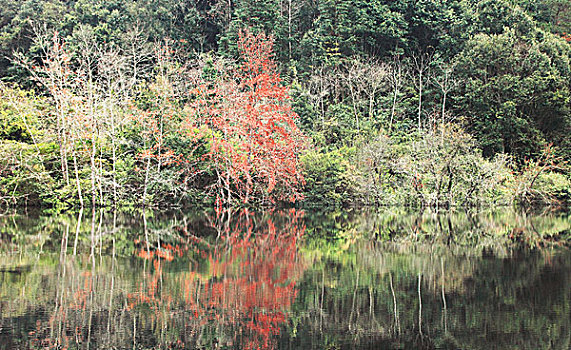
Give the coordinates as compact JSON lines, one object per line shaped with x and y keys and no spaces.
{"x":147,"y":255}
{"x":252,"y":282}
{"x":254,"y":140}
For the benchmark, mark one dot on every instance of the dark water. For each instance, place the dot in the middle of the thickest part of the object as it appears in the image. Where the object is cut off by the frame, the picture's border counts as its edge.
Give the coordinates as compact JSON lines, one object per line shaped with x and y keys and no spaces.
{"x":286,"y":280}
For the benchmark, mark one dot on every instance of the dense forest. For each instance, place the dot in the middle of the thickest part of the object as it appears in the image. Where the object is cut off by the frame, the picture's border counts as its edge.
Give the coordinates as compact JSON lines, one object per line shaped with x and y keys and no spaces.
{"x":261,"y":102}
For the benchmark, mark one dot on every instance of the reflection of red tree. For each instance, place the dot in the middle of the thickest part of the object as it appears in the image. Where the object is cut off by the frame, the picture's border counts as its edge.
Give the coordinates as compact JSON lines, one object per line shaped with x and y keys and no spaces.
{"x":249,"y":287}
{"x":241,"y":299}
{"x":68,"y":318}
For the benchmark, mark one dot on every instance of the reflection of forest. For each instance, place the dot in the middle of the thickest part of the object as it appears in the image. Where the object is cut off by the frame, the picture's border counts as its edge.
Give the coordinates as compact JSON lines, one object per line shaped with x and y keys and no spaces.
{"x":434,"y":280}
{"x":285,"y":280}
{"x":388,"y":300}
{"x":182,"y":290}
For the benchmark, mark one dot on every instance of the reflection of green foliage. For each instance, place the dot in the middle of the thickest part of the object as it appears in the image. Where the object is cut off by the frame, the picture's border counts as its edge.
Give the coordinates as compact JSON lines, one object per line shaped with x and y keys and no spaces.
{"x":498,"y":292}
{"x":502,"y":295}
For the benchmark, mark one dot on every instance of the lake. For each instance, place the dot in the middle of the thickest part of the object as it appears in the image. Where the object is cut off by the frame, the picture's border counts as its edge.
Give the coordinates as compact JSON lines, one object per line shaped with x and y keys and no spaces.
{"x":390,"y":278}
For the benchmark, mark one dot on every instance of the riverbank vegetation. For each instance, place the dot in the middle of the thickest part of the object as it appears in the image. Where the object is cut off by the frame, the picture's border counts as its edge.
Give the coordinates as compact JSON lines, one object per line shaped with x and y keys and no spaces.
{"x":215,"y":103}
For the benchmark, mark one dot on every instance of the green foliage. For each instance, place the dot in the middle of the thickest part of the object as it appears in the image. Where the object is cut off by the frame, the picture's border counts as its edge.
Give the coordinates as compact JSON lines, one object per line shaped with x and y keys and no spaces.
{"x":555,"y":15}
{"x":27,"y":157}
{"x":13,"y":128}
{"x":24,"y":179}
{"x":441,"y":167}
{"x":327,"y":177}
{"x":19,"y":115}
{"x":544,"y":180}
{"x":516,"y":92}
{"x":260,"y":16}
{"x":501,"y":69}
{"x":555,"y":185}
{"x":346,"y":28}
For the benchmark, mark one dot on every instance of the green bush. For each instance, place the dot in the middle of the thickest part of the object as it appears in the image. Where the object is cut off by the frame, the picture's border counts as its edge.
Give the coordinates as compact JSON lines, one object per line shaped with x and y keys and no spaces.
{"x":440,"y":167}
{"x":328,"y":176}
{"x":24,"y":179}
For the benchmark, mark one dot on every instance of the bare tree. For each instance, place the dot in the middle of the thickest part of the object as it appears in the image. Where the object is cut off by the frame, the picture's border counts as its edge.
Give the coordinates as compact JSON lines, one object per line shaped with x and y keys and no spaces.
{"x":376,"y":78}
{"x":319,"y":91}
{"x":365,"y":79}
{"x":421,"y":65}
{"x":90,"y":94}
{"x":353,"y":77}
{"x":222,"y":11}
{"x":138,"y":50}
{"x":92,"y":99}
{"x":113,"y":68}
{"x":446,"y":82}
{"x":291,"y":9}
{"x":396,"y":77}
{"x":56,"y":75}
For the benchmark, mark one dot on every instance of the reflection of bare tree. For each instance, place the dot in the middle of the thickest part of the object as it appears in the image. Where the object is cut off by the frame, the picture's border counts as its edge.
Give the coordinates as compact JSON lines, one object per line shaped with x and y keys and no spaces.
{"x":419,"y":306}
{"x":444,"y":306}
{"x":396,"y":323}
{"x":426,"y":270}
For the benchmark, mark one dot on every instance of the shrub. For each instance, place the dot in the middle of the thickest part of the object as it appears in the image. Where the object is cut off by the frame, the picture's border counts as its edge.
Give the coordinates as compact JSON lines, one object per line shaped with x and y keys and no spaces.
{"x":329,"y":177}
{"x":441,"y":167}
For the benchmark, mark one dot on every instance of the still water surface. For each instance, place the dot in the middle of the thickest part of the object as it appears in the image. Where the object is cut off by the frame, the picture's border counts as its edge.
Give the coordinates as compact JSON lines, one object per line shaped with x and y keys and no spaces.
{"x":288,"y":279}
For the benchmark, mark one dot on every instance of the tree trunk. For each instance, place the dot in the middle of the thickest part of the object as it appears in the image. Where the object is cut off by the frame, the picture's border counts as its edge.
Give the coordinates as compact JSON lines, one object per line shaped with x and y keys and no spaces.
{"x":420,"y":83}
{"x":77,"y":182}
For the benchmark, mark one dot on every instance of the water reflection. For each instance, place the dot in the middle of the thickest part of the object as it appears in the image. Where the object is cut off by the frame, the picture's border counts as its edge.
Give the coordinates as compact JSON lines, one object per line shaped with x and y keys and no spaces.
{"x":285,"y":279}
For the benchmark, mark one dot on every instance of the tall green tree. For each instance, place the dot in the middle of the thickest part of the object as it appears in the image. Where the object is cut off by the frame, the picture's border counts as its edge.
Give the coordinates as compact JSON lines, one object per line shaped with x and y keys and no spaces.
{"x":515,"y":95}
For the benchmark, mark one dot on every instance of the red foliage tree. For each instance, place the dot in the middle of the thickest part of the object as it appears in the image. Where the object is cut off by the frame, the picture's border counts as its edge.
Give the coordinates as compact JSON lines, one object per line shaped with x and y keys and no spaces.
{"x":251,"y":127}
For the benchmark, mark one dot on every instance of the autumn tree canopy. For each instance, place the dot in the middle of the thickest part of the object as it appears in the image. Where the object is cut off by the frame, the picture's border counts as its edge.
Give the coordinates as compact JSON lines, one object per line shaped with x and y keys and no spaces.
{"x":247,"y":116}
